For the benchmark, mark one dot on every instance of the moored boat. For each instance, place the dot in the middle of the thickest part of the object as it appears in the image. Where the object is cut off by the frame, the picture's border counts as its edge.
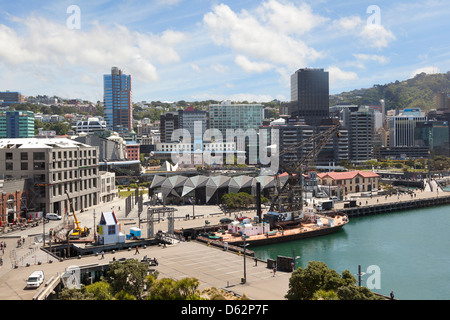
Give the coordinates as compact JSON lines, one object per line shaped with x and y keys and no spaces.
{"x":305,"y":225}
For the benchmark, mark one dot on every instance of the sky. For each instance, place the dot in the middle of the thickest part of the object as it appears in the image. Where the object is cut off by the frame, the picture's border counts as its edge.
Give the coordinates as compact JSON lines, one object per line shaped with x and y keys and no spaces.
{"x":197,"y":50}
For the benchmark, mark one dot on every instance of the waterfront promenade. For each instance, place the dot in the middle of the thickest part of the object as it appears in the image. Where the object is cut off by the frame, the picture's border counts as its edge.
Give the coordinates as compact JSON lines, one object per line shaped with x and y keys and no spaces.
{"x":210,"y":265}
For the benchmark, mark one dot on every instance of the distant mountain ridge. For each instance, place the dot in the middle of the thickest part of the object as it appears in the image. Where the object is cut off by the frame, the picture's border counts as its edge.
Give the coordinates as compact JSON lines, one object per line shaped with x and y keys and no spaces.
{"x":417,"y":92}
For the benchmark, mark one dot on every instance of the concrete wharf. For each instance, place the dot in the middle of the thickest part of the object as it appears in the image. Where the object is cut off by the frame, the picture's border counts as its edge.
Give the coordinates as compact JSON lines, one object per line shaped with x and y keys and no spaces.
{"x":394,"y":206}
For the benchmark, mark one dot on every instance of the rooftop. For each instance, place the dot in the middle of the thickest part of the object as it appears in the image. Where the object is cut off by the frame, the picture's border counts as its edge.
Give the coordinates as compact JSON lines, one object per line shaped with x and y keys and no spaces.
{"x":348,"y":175}
{"x":40,"y":143}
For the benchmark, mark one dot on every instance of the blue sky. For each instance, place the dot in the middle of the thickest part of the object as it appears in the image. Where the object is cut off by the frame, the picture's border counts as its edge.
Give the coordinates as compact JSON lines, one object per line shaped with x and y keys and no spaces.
{"x":221,"y":50}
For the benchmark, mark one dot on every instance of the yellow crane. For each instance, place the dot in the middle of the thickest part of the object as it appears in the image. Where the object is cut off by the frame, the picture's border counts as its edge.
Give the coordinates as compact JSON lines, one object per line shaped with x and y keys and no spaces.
{"x":77,"y":231}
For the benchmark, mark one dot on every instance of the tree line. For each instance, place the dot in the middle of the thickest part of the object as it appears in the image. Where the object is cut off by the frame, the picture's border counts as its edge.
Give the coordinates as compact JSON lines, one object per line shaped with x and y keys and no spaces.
{"x":129,"y":280}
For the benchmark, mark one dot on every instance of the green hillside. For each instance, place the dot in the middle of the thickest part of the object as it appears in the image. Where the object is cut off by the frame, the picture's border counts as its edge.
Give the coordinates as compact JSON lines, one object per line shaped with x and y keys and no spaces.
{"x":418,"y":92}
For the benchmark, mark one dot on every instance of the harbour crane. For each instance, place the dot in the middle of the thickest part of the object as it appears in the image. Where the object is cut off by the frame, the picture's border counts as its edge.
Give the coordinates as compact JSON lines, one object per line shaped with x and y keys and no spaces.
{"x":289,"y":197}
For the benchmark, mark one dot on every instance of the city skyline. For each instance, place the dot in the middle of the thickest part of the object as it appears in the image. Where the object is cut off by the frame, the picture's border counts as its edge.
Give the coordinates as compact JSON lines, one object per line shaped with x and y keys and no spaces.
{"x":230,"y":50}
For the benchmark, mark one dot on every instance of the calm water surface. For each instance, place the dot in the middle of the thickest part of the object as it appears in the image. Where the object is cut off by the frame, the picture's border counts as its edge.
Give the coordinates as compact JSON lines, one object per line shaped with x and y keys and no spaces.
{"x":411,"y":248}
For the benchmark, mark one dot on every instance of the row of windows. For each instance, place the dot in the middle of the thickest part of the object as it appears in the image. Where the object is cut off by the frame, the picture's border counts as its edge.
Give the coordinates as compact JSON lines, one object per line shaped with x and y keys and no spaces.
{"x":75,"y":154}
{"x":72,"y":163}
{"x":9,"y":166}
{"x":61,"y":189}
{"x":56,"y":155}
{"x":350,"y":181}
{"x":24,"y":156}
{"x":73,"y":174}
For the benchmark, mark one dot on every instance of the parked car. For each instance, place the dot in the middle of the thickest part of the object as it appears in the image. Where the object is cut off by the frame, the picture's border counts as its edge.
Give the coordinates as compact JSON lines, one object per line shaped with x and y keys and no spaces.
{"x":53,"y":216}
{"x":35,"y":279}
{"x":225,"y":220}
{"x":334,"y":198}
{"x":320,"y":195}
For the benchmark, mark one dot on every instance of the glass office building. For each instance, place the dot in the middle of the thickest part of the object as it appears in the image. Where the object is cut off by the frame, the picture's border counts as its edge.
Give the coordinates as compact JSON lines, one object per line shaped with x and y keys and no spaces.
{"x":118,"y":101}
{"x":310,"y":95}
{"x":16,"y":124}
{"x":434,"y":135}
{"x":228,"y":118}
{"x":235,"y":116}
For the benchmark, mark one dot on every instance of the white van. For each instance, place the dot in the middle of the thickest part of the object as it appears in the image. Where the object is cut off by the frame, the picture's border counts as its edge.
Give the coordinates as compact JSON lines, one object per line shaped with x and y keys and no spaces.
{"x":35,"y":279}
{"x":52,"y":216}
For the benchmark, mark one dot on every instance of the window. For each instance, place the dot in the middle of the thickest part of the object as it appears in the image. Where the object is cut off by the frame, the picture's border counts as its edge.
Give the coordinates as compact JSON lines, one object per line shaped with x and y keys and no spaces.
{"x":24,"y":156}
{"x":39,"y":165}
{"x":24,"y":166}
{"x":112,"y":229}
{"x":38,"y":155}
{"x":9,"y":166}
{"x":9,"y":156}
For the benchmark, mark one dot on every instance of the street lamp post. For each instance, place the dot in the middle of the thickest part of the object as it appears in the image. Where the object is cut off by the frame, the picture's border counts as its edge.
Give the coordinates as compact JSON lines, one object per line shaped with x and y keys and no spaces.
{"x":294,"y":260}
{"x":244,"y":279}
{"x":360,"y":274}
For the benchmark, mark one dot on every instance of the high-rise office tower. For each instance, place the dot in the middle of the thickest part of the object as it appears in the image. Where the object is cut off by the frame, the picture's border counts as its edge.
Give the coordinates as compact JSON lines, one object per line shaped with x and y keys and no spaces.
{"x":310,"y":95}
{"x":118,"y":101}
{"x":168,"y":124}
{"x":361,"y":128}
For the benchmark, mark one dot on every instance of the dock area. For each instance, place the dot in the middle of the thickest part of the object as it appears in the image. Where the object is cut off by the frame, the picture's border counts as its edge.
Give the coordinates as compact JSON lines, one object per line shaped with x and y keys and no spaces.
{"x":187,"y":258}
{"x":395,"y":206}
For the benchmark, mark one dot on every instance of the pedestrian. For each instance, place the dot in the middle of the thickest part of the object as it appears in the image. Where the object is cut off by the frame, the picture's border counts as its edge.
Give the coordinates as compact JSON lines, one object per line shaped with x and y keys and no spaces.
{"x":392,"y":295}
{"x":256,"y":261}
{"x":103,"y":254}
{"x":137,"y":250}
{"x":274,"y":270}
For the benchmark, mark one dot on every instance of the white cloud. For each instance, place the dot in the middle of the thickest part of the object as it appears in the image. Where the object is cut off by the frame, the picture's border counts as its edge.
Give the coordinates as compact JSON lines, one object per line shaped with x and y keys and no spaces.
{"x":289,"y":19}
{"x":270,"y":34}
{"x":97,"y":48}
{"x":376,"y":36}
{"x":196,"y":68}
{"x":250,"y":66}
{"x":337,"y":75}
{"x":371,"y":57}
{"x":347,"y":23}
{"x":371,"y":35}
{"x":218,"y":67}
{"x":238,"y":97}
{"x":427,"y":70}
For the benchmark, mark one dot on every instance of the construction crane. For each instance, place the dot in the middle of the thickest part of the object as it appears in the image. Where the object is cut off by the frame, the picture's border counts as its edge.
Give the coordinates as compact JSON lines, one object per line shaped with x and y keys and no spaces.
{"x":77,"y":230}
{"x":289,"y":197}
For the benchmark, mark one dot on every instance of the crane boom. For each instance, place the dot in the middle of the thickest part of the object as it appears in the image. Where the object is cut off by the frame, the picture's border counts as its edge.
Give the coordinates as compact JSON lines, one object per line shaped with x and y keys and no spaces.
{"x":289,"y":196}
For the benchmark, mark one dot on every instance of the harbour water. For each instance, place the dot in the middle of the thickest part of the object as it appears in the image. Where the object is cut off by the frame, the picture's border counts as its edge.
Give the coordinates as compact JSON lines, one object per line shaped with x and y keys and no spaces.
{"x":409,"y":249}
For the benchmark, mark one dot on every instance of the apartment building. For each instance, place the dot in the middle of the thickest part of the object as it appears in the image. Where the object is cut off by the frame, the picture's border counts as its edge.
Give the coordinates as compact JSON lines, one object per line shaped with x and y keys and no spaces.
{"x":55,"y":166}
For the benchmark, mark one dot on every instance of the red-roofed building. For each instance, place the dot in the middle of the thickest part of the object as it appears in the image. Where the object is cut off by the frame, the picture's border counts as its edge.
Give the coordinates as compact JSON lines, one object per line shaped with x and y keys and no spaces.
{"x":351,"y":181}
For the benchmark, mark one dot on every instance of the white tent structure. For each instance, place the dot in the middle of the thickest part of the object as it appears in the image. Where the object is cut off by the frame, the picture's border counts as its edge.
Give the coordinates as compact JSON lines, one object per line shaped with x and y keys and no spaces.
{"x":193,"y":183}
{"x":211,"y":187}
{"x":241,"y":182}
{"x":215,"y":183}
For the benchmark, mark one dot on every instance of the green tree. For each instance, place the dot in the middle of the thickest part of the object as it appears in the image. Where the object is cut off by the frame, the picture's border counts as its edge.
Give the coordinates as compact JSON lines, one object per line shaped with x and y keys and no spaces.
{"x":100,"y":290}
{"x":170,"y":289}
{"x":75,"y":294}
{"x":128,"y":276}
{"x":317,"y":281}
